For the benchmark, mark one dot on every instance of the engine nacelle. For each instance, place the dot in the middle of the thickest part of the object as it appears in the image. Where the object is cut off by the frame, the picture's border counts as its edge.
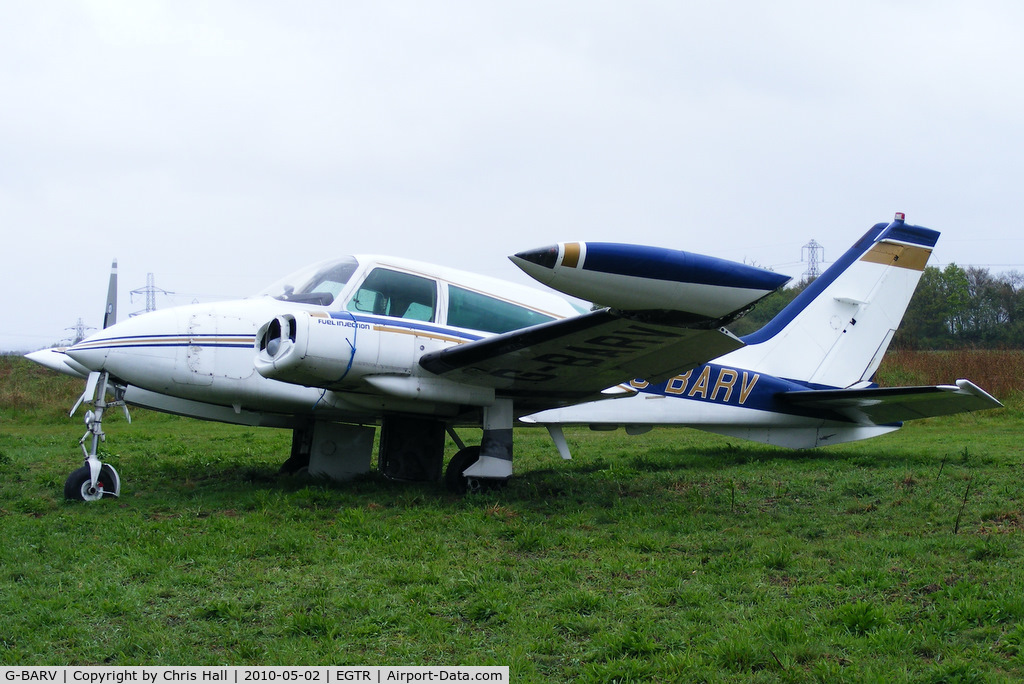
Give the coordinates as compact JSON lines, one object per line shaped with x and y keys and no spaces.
{"x":315,"y":350}
{"x":311,"y":349}
{"x":637,"y":278}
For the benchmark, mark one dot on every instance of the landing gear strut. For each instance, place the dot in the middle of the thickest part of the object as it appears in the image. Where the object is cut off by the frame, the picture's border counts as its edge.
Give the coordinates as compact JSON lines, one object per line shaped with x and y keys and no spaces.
{"x":488,"y":466}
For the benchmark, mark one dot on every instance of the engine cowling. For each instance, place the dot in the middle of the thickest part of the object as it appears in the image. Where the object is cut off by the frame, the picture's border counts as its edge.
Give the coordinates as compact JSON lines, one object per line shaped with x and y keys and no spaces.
{"x":309,"y":349}
{"x":315,"y":350}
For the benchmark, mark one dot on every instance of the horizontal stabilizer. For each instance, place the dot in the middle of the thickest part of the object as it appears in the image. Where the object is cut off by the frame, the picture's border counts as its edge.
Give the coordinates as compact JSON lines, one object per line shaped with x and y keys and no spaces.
{"x":885,"y":405}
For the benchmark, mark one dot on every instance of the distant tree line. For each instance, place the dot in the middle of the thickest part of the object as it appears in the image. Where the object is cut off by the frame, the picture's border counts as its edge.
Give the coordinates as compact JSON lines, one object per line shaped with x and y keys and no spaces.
{"x":952,"y":308}
{"x":959,"y":307}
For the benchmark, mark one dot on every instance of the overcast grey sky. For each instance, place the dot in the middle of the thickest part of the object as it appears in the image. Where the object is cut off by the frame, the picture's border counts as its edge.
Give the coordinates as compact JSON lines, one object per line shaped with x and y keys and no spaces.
{"x":223,"y":144}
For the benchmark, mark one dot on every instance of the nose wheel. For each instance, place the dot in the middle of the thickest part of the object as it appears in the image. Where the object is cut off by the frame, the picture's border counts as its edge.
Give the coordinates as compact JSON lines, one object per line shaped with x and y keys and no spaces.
{"x":79,"y":485}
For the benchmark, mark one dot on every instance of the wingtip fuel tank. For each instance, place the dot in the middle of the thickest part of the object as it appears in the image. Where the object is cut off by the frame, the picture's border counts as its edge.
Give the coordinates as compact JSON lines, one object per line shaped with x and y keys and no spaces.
{"x":638,"y":278}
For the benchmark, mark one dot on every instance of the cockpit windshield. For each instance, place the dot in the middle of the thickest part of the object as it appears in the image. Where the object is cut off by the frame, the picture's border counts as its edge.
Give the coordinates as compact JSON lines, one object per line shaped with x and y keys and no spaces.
{"x":316,"y":284}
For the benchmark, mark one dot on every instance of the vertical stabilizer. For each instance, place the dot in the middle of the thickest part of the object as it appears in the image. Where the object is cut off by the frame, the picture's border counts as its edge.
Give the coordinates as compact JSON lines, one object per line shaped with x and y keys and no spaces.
{"x":836,"y":331}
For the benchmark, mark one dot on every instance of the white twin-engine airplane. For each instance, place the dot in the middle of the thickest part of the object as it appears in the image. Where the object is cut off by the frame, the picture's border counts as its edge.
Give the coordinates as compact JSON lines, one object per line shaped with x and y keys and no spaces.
{"x":336,"y":349}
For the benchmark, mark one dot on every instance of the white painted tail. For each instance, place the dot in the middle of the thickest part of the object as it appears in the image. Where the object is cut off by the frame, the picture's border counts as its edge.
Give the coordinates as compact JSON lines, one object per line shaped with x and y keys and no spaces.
{"x":836,"y":331}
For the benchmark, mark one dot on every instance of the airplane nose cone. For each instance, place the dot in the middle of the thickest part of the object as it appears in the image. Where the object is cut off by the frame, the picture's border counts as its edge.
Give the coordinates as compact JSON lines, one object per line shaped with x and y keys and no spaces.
{"x":542,"y":256}
{"x":136,"y":348}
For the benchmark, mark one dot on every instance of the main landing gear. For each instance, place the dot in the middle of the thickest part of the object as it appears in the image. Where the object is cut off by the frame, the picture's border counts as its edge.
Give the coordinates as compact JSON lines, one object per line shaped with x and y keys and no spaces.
{"x":95,"y":479}
{"x":489,"y":466}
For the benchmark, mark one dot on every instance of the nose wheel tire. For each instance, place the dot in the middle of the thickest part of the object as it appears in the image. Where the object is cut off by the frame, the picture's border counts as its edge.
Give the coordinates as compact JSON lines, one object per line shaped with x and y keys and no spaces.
{"x":78,"y":486}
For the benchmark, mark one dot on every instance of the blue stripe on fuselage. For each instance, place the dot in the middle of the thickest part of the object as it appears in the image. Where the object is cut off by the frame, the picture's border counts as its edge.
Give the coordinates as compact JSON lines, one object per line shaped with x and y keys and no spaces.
{"x":715,"y":384}
{"x":230,"y":341}
{"x":411,"y":324}
{"x":164,"y":341}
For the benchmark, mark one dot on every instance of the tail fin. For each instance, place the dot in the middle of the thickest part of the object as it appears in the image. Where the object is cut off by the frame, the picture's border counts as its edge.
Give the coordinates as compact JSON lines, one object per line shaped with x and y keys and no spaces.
{"x":837,"y":330}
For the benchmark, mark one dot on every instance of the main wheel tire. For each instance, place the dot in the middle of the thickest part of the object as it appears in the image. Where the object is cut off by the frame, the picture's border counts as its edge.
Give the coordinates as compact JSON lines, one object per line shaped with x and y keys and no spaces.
{"x":454,"y":480}
{"x":78,"y":486}
{"x":457,"y":483}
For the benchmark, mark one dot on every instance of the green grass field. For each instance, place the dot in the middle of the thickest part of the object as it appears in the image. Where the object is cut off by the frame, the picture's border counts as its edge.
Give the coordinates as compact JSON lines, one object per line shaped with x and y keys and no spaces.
{"x":673,"y":556}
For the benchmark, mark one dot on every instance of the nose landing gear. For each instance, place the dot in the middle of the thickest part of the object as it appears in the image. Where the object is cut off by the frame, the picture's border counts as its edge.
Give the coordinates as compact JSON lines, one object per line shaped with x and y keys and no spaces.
{"x":95,"y":479}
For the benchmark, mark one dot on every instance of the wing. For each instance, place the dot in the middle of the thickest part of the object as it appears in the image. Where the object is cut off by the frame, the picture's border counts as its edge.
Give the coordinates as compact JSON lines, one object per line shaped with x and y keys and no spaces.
{"x":574,"y":359}
{"x":885,"y":405}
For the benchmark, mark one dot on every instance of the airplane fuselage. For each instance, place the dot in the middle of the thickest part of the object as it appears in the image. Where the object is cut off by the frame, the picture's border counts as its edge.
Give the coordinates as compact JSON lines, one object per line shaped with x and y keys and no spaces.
{"x":204,"y":355}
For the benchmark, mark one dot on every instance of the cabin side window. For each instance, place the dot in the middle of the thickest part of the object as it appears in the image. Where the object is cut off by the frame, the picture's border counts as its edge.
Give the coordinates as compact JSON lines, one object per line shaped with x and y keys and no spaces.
{"x":468,"y":309}
{"x":392,"y":293}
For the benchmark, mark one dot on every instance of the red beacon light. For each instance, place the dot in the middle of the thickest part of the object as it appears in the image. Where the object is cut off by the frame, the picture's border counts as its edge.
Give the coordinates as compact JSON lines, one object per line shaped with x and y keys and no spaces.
{"x":900,"y":216}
